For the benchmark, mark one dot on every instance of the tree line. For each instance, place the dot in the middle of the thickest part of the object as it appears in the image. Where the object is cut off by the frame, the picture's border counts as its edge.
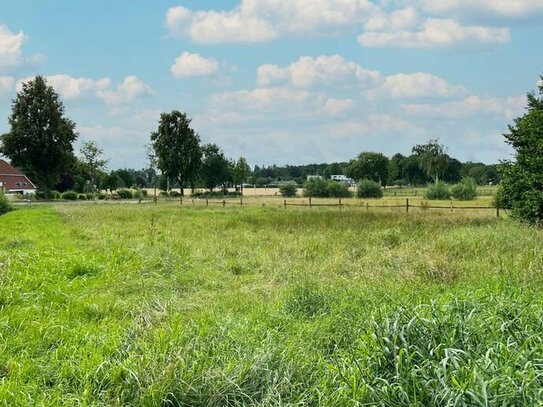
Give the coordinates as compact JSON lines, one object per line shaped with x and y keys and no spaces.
{"x":41,"y":138}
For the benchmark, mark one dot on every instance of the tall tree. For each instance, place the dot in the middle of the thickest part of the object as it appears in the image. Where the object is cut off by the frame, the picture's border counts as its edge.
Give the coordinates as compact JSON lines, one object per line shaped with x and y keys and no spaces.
{"x":41,"y":138}
{"x":91,"y":158}
{"x":177,"y":148}
{"x":369,"y":165}
{"x":216,"y":168}
{"x":432,"y":158}
{"x":521,"y":188}
{"x":240,"y":171}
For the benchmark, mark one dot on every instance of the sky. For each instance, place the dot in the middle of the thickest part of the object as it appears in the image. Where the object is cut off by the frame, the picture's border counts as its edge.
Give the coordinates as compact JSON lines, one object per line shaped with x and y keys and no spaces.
{"x":281,"y":81}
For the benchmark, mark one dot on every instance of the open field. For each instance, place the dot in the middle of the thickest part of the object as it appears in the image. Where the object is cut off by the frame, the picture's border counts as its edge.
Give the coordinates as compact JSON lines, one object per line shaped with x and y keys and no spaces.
{"x":117,"y":305}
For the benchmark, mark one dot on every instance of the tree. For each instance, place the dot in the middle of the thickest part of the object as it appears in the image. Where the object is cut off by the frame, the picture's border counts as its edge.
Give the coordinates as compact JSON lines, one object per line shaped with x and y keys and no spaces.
{"x":216,"y":168}
{"x":91,"y":158}
{"x":432,"y":158}
{"x":41,"y":139}
{"x":177,"y":148}
{"x":240,"y":171}
{"x":521,"y":188}
{"x":369,"y":165}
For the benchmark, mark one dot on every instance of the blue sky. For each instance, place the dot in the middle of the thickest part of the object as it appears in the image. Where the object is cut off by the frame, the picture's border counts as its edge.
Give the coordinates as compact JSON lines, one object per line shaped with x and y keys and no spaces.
{"x":277,"y":81}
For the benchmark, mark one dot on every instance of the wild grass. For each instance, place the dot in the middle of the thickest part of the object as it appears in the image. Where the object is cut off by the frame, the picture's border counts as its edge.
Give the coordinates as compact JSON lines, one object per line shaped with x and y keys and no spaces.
{"x":117,"y":305}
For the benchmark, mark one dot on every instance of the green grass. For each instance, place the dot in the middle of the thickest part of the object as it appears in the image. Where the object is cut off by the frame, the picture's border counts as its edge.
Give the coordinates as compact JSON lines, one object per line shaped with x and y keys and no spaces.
{"x":118,"y":305}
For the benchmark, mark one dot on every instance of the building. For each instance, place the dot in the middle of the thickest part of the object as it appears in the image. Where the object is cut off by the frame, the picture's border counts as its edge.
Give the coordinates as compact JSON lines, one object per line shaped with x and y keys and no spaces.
{"x":342,"y":178}
{"x":13,"y":181}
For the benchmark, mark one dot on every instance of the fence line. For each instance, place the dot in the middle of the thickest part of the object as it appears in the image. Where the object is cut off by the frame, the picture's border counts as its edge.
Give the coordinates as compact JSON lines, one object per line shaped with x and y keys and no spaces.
{"x":340,"y":204}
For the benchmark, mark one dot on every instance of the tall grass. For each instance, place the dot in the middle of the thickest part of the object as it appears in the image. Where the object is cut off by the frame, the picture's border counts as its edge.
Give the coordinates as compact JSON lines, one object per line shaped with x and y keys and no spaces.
{"x":126,"y":305}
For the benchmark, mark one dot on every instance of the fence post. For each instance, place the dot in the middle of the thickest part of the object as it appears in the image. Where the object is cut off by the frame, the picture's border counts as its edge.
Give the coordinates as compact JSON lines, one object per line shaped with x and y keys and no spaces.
{"x":309,"y":202}
{"x":340,"y":204}
{"x":497,"y":211}
{"x":367,"y":206}
{"x":451,"y":206}
{"x":207,"y":202}
{"x":223,"y":203}
{"x":406,"y":205}
{"x":285,"y":203}
{"x":241,"y":201}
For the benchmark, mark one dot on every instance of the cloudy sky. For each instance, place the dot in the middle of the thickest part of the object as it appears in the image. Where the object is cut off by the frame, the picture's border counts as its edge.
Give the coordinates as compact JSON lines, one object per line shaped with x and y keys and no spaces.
{"x":281,"y":81}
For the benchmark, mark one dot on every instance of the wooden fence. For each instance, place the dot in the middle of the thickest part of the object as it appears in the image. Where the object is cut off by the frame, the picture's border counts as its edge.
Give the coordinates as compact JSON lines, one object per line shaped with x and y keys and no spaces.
{"x":340,"y":204}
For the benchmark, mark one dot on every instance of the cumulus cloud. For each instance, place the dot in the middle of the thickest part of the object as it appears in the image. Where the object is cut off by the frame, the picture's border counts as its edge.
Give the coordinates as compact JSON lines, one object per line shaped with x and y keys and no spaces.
{"x":504,"y":8}
{"x":131,"y":88}
{"x":471,"y":106}
{"x":11,"y":45}
{"x":435,"y":33}
{"x":191,"y":65}
{"x":6,"y":84}
{"x":372,"y":124}
{"x":71,"y":88}
{"x":286,"y":100}
{"x":308,"y":71}
{"x":417,"y":85}
{"x":265,"y":20}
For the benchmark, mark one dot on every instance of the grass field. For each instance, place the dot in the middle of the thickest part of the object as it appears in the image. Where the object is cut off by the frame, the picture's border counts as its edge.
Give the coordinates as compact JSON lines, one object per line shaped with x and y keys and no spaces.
{"x":118,"y":305}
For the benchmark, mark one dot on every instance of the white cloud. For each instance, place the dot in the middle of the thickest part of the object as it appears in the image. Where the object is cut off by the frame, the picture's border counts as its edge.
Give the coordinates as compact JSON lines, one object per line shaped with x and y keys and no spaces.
{"x":190,"y":65}
{"x":435,"y":33}
{"x":285,"y":100}
{"x":69,"y":87}
{"x":10,"y":48}
{"x":308,"y":71}
{"x":372,"y":124}
{"x":471,"y":106}
{"x":6,"y":84}
{"x":417,"y":85}
{"x":505,"y":8}
{"x":338,"y":107}
{"x":131,"y":88}
{"x":265,"y":20}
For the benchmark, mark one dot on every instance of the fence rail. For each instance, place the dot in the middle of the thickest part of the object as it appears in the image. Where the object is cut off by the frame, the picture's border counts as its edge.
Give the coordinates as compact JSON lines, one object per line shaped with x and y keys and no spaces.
{"x":340,"y":204}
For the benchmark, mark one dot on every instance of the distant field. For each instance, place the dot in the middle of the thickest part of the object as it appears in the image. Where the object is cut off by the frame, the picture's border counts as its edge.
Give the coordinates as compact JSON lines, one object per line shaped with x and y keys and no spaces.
{"x":144,"y":305}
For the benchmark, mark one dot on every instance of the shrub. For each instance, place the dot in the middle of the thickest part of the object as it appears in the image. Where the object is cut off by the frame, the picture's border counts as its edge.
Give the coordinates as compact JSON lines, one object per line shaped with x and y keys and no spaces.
{"x":164,"y":194}
{"x":174,"y":194}
{"x":288,"y":190}
{"x":124,"y":193}
{"x":102,"y":196}
{"x":369,"y":189}
{"x":5,"y":205}
{"x":89,"y":196}
{"x":320,"y":188}
{"x":82,"y":197}
{"x":144,"y":193}
{"x":466,"y":190}
{"x":437,"y":191}
{"x":69,"y":196}
{"x":54,"y":195}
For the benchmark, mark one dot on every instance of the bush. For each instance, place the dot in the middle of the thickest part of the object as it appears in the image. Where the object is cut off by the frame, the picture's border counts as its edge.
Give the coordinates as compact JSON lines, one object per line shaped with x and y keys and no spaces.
{"x":124,"y":193}
{"x":69,"y":196}
{"x":466,"y":190}
{"x":144,"y":193}
{"x":320,"y":188}
{"x":164,"y":194}
{"x":369,"y":189}
{"x":102,"y":196}
{"x":5,"y":205}
{"x":174,"y":194}
{"x":288,"y":190}
{"x":437,"y":191}
{"x":54,"y":195}
{"x":82,"y":197}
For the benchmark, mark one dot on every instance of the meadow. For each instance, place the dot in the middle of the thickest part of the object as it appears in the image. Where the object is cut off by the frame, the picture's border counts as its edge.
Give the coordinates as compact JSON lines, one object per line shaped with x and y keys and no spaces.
{"x":144,"y":305}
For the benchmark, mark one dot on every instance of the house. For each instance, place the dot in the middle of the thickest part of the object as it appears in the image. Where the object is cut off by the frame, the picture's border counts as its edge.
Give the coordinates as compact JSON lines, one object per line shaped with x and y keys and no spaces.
{"x":13,"y":181}
{"x":342,"y":178}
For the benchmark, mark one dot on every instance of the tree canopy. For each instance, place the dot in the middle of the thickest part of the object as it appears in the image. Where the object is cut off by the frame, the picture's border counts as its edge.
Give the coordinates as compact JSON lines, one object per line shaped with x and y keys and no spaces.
{"x":40,"y":140}
{"x":369,"y":165}
{"x":521,"y":187}
{"x":177,"y":148}
{"x":432,"y":158}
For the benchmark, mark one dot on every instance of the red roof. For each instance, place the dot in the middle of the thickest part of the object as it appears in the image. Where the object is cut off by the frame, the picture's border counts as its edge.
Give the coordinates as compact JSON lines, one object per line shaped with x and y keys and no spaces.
{"x":13,"y":179}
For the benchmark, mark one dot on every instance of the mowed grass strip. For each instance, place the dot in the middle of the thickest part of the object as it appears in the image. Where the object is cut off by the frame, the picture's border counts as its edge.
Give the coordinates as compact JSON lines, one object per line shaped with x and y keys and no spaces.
{"x":120,"y":305}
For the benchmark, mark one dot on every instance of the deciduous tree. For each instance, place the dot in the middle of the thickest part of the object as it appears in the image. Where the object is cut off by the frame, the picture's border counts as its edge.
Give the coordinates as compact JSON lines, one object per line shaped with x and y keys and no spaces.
{"x":40,"y":140}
